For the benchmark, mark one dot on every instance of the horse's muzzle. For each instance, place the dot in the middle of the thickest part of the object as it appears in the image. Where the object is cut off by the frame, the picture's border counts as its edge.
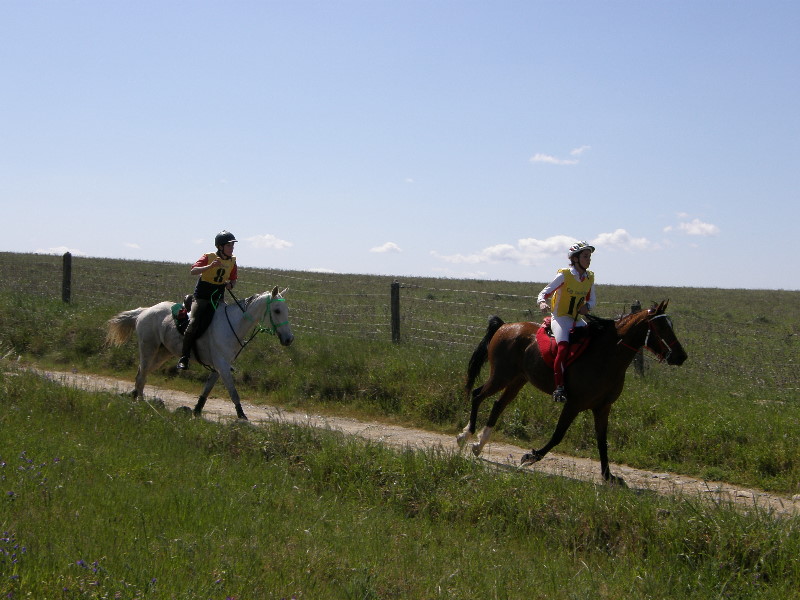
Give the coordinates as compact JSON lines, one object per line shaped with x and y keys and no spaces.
{"x":677,"y":357}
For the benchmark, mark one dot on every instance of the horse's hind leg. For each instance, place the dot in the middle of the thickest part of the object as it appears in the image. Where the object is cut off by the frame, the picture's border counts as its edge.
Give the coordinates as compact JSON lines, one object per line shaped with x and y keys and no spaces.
{"x":150,"y":358}
{"x":489,"y":388}
{"x":511,"y":391}
{"x":201,"y":401}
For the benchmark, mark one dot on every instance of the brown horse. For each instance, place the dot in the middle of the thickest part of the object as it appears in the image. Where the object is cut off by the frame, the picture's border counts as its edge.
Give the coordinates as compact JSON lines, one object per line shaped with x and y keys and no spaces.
{"x":594,"y":381}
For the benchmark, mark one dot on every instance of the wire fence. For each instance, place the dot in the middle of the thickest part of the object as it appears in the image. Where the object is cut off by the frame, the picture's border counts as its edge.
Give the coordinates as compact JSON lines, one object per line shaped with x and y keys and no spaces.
{"x":435,"y":312}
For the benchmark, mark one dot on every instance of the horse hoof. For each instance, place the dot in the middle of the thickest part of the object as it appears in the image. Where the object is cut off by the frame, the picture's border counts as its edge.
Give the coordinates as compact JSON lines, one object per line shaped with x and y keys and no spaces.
{"x":462,"y":439}
{"x":241,"y":416}
{"x":183,"y":410}
{"x":530,"y":457}
{"x":477,"y":449}
{"x":617,"y":481}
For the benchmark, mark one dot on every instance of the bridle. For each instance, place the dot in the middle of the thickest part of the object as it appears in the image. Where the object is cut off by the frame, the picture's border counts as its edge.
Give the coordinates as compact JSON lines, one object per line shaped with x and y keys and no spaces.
{"x":667,"y":347}
{"x":272,"y":329}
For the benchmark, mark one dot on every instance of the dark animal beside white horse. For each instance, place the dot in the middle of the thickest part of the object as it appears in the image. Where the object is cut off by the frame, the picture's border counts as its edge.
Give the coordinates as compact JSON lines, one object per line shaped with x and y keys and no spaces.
{"x":233,"y":325}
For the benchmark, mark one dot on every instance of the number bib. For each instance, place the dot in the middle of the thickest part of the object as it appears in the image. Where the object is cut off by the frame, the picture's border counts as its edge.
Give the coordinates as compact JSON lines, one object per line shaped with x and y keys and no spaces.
{"x":567,"y":298}
{"x":211,"y":283}
{"x":218,"y":275}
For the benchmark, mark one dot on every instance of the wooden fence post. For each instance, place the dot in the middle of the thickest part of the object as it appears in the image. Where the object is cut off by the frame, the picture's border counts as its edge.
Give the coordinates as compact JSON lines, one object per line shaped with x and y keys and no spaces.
{"x":638,"y":360}
{"x":66,"y":278}
{"x":395,"y":305}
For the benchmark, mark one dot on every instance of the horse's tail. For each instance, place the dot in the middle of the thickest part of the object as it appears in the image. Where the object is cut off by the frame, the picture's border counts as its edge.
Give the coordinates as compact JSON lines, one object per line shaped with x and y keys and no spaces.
{"x":121,"y":326}
{"x":481,"y":353}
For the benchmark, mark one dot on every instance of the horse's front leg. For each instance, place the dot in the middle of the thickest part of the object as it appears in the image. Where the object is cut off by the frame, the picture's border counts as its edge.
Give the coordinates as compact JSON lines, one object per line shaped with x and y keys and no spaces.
{"x":209,"y":385}
{"x":601,"y":432}
{"x":568,"y":414}
{"x":227,"y":379}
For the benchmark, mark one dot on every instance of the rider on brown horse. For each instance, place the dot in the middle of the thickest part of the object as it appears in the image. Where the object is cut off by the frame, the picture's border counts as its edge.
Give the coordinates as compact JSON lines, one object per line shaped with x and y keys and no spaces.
{"x":573,"y":295}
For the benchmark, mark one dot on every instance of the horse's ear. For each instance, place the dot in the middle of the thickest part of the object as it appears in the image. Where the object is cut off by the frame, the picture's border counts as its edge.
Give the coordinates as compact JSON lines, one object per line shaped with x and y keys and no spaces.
{"x":662,"y":308}
{"x":283,"y":291}
{"x":275,"y":292}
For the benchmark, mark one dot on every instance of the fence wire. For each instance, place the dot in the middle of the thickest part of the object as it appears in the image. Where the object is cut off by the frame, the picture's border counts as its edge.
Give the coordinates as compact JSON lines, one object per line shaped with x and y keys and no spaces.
{"x":433,"y":314}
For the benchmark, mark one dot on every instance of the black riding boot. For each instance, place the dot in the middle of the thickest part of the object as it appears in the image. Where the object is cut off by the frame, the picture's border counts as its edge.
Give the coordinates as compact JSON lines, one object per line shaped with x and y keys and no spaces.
{"x":188,"y":342}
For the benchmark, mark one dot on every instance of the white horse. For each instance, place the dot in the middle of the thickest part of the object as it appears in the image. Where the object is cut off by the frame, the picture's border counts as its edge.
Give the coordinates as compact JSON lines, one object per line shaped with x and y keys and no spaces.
{"x":231,"y":329}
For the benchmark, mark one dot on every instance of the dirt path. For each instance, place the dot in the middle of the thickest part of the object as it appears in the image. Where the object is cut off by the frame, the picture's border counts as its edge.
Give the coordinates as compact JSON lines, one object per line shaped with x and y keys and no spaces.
{"x":503,"y":455}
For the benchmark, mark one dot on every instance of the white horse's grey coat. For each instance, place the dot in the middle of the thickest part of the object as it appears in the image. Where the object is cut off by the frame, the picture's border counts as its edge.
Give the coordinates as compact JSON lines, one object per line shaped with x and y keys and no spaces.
{"x":217,"y":347}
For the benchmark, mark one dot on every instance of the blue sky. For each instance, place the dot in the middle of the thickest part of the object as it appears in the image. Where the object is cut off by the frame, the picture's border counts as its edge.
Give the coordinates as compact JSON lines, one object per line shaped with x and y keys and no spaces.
{"x":435,"y":138}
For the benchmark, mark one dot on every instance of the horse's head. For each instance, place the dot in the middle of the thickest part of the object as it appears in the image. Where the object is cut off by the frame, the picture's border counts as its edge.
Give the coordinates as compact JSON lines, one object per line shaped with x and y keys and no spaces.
{"x":661,"y":339}
{"x":279,"y":316}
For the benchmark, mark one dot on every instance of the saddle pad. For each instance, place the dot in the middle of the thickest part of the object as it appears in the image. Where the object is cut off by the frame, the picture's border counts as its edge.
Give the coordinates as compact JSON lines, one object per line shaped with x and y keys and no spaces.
{"x":181,"y":317}
{"x":548,"y":346}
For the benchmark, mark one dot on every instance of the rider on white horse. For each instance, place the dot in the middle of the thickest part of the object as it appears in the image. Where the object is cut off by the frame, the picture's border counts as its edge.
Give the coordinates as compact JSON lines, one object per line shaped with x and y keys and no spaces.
{"x":217,"y":271}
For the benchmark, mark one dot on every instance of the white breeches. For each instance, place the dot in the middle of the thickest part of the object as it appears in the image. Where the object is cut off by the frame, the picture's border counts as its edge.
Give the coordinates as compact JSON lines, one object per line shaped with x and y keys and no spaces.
{"x":562,"y":325}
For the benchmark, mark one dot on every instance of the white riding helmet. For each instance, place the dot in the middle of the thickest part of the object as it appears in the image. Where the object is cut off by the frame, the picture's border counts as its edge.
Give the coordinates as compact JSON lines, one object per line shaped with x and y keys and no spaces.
{"x":577,"y":248}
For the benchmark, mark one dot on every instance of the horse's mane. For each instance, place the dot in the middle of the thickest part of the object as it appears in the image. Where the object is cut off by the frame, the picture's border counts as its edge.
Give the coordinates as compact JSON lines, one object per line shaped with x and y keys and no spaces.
{"x":599,"y":324}
{"x":624,"y":321}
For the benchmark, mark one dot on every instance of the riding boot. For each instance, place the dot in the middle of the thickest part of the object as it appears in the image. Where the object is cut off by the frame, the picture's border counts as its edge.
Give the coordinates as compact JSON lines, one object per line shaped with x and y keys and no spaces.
{"x":188,"y":342}
{"x":559,"y":395}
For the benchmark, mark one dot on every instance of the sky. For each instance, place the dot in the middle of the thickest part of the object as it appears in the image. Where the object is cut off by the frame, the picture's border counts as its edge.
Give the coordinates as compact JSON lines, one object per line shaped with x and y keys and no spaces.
{"x":436,"y":138}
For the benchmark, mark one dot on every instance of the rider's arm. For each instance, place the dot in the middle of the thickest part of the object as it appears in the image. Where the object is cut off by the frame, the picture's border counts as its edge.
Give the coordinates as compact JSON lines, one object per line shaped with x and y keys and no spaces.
{"x":549,"y":290}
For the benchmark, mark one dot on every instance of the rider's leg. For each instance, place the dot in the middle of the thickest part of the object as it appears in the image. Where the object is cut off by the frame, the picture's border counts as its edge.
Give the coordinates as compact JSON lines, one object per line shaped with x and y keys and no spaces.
{"x":558,"y":371}
{"x":560,"y":327}
{"x":202,"y":313}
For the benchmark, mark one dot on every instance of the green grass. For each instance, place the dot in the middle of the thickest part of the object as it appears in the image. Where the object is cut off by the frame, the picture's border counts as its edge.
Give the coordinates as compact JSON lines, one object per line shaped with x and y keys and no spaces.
{"x":104,"y":498}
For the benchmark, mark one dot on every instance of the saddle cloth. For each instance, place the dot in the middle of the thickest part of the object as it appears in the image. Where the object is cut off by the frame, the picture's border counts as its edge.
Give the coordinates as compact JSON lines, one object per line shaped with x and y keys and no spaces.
{"x":548,"y":346}
{"x":180,"y":313}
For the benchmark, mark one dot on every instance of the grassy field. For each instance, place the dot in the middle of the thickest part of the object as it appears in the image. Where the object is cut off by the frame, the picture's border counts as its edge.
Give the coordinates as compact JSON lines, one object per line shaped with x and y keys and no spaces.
{"x":731,"y":412}
{"x":104,"y":498}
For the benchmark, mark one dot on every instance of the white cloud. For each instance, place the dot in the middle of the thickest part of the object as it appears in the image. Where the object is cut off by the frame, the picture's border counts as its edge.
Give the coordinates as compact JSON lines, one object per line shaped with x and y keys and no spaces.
{"x":697,"y":227}
{"x":60,"y":250}
{"x":531,"y":251}
{"x":553,"y":160}
{"x":268,"y":241}
{"x":387,"y":247}
{"x":528,"y":251}
{"x":133,"y":245}
{"x":621,"y":240}
{"x":579,"y":151}
{"x":693,"y":227}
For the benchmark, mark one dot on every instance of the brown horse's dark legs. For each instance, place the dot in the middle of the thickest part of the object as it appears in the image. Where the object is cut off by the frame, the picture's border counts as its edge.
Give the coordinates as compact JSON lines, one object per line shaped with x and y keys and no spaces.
{"x":568,"y":414}
{"x":477,"y":397}
{"x":511,"y":391}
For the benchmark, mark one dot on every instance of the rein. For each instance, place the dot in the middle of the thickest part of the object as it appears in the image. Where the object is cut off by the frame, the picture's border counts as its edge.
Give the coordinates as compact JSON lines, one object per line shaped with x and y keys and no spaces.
{"x":272,"y":330}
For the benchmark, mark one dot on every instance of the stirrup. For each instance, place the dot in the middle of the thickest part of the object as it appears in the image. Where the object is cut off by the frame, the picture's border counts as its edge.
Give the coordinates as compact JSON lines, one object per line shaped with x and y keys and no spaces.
{"x":183,"y":363}
{"x":559,"y":395}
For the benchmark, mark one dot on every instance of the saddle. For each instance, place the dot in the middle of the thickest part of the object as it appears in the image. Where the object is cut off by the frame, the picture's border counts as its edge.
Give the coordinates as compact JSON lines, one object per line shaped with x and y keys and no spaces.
{"x":180,"y":313}
{"x":579,"y":339}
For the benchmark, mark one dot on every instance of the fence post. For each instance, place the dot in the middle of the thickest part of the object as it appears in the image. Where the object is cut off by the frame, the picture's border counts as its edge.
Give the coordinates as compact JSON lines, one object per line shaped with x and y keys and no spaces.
{"x":66,"y":278}
{"x":395,"y":305}
{"x":638,"y":360}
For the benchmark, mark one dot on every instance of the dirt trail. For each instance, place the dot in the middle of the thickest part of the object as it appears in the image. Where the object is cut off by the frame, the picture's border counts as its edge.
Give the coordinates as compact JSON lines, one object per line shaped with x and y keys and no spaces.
{"x":502,"y":455}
